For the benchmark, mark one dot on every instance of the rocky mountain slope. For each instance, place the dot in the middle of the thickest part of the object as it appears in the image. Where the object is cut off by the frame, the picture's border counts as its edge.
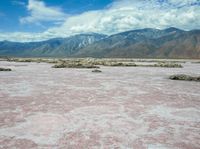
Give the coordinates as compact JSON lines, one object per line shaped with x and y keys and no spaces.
{"x":57,"y":47}
{"x":143,"y":43}
{"x":147,"y":43}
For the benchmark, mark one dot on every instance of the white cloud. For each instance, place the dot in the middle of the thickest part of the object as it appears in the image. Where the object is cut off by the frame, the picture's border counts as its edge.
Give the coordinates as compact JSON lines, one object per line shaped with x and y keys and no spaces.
{"x":25,"y":37}
{"x":120,"y":16}
{"x":183,"y":2}
{"x":39,"y":12}
{"x":131,"y":14}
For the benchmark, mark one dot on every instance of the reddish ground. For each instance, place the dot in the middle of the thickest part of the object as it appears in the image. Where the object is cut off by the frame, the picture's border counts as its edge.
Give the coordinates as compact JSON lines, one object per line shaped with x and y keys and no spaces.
{"x":139,"y":108}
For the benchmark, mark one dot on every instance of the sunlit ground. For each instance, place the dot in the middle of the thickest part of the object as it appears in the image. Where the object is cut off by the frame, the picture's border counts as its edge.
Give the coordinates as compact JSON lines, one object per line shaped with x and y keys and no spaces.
{"x":122,"y":107}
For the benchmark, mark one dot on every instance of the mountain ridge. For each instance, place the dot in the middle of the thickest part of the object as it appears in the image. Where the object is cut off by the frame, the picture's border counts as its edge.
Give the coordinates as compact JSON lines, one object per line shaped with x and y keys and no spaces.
{"x":142,"y":43}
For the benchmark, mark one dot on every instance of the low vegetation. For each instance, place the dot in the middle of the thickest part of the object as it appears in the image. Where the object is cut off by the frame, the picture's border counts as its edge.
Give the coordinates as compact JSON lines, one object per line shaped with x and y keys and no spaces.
{"x":168,"y":65}
{"x":159,"y":61}
{"x":120,"y":64}
{"x":95,"y":62}
{"x":36,"y":60}
{"x":5,"y":69}
{"x":197,"y":62}
{"x":96,"y":71}
{"x":184,"y":77}
{"x":74,"y":65}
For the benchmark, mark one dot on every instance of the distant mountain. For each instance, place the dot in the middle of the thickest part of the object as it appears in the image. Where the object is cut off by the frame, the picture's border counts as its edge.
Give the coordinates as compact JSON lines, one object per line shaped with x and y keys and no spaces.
{"x":143,"y":43}
{"x":147,"y":43}
{"x":57,"y":47}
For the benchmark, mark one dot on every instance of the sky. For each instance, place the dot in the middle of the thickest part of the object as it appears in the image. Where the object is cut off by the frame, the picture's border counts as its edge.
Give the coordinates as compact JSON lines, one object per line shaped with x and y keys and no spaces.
{"x":36,"y":20}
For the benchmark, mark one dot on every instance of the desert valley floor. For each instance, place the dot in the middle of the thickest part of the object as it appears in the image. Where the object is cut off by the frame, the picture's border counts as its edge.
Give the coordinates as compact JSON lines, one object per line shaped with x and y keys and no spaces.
{"x":122,"y":107}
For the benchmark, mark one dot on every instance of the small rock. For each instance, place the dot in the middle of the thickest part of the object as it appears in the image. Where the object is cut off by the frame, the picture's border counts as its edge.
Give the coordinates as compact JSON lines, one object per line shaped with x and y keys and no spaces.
{"x":184,"y":77}
{"x":5,"y":69}
{"x":96,"y":70}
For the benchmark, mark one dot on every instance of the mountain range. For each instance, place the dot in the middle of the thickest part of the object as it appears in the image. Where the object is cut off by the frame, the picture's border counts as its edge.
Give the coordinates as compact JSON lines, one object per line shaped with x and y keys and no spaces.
{"x":142,"y":43}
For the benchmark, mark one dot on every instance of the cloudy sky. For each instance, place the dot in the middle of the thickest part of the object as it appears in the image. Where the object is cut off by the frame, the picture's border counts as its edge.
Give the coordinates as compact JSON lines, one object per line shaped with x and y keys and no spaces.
{"x":35,"y":20}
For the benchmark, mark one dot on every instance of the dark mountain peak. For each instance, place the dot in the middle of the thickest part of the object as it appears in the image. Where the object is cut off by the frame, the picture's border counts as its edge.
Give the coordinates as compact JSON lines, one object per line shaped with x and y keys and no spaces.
{"x":146,"y":30}
{"x":196,"y":31}
{"x":173,"y":29}
{"x":89,"y":34}
{"x":137,"y":31}
{"x":142,"y":34}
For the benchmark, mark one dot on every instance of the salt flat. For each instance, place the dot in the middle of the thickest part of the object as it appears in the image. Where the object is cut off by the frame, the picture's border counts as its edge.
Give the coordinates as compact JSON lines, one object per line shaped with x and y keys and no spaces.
{"x":122,"y":107}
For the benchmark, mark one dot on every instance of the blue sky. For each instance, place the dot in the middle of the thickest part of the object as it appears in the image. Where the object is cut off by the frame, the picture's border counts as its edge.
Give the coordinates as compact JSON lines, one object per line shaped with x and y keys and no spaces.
{"x":12,"y":10}
{"x":35,"y":20}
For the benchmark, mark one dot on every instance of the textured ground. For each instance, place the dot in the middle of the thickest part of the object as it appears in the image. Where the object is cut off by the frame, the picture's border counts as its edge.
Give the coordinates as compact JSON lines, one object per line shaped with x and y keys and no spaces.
{"x":139,"y":108}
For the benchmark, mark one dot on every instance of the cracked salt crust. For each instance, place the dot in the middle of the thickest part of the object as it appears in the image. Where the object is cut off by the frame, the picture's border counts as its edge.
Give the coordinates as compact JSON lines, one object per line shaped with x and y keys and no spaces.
{"x":41,"y":128}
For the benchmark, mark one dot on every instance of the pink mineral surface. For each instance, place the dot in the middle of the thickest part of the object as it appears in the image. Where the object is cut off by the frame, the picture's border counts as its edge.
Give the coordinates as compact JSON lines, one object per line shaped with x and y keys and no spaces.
{"x":122,"y":107}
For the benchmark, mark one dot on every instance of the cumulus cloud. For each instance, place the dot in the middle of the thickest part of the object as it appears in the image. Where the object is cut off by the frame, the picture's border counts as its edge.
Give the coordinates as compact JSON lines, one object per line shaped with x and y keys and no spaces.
{"x":39,"y":12}
{"x":25,"y":37}
{"x":183,"y":2}
{"x":123,"y":15}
